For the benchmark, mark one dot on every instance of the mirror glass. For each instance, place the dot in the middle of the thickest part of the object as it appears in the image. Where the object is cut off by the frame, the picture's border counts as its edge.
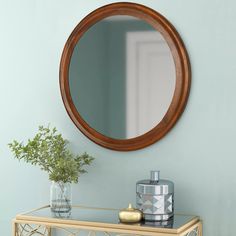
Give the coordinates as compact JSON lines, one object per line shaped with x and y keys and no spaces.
{"x":122,"y":77}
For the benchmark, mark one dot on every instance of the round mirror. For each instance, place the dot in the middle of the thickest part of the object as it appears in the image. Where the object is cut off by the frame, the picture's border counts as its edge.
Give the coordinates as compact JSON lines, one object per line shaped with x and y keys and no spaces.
{"x":124,"y":76}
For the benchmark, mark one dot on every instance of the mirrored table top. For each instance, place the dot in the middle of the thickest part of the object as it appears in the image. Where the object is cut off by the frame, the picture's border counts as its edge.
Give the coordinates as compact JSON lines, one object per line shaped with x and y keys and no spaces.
{"x":105,"y":217}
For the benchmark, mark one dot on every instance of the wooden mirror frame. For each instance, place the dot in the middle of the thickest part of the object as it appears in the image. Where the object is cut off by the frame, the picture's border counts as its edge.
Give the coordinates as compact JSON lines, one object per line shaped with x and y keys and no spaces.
{"x":182,"y":65}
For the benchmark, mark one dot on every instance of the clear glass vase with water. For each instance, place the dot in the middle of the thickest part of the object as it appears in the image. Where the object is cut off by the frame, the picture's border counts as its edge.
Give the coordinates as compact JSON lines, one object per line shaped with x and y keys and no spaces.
{"x":60,"y":199}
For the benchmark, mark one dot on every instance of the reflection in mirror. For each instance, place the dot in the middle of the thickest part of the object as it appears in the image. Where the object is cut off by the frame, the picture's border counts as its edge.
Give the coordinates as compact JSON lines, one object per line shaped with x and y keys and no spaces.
{"x":122,"y":77}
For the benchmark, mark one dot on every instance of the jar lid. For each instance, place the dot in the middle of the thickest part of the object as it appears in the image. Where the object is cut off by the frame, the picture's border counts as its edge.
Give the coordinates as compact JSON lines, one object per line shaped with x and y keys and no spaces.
{"x":155,"y":185}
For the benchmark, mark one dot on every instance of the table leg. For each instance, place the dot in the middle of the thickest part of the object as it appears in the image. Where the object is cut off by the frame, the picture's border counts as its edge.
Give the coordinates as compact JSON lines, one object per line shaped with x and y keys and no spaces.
{"x":49,"y":231}
{"x":14,"y":227}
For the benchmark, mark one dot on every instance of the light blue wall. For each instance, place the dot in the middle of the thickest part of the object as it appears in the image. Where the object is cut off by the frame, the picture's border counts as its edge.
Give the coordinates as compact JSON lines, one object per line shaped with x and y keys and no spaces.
{"x":199,"y":154}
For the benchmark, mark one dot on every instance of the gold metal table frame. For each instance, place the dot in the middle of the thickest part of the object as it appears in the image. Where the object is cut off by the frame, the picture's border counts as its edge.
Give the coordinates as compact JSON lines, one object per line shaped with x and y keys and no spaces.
{"x":29,"y":223}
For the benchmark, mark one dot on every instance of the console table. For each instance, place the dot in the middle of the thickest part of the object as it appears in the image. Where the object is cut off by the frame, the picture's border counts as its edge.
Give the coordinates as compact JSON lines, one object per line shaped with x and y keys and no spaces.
{"x":100,"y":221}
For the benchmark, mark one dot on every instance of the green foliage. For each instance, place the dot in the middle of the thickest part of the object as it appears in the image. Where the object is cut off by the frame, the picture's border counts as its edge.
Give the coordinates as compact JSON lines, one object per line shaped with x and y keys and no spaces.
{"x":49,"y":151}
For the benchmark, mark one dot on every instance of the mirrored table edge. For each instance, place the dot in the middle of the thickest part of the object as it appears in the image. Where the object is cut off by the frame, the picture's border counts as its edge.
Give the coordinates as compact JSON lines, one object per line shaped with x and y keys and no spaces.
{"x":194,"y":224}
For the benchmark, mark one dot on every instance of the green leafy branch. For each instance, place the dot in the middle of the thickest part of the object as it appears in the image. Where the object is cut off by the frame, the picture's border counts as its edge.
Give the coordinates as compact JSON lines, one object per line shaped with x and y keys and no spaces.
{"x":49,"y":151}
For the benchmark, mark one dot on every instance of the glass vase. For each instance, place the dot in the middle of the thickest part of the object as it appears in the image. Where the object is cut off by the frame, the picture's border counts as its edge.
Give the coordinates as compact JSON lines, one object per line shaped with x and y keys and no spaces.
{"x":60,"y":199}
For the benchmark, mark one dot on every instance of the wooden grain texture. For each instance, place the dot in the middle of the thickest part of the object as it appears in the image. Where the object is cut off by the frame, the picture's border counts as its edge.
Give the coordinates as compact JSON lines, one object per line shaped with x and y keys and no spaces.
{"x":182,"y":65}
